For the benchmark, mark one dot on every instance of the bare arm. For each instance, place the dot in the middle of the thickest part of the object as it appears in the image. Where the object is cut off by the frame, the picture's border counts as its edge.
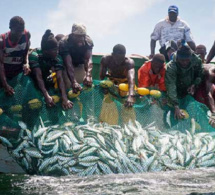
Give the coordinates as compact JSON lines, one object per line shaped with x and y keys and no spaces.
{"x":192,"y":45}
{"x":210,"y":98}
{"x":8,"y":89}
{"x":71,"y":73}
{"x":210,"y":101}
{"x":26,"y":66}
{"x":211,"y":54}
{"x":103,"y":69}
{"x":88,"y":66}
{"x":38,"y":74}
{"x":131,"y":83}
{"x":66,"y":104}
{"x":152,"y":46}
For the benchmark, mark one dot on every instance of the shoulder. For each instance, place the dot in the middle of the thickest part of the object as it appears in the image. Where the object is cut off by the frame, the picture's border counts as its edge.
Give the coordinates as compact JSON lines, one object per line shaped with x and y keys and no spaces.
{"x":28,"y":34}
{"x":161,"y":22}
{"x":171,"y":66}
{"x":2,"y":39}
{"x":34,"y":56}
{"x":64,"y":41}
{"x":146,"y":66}
{"x":129,"y":62}
{"x":89,"y":42}
{"x":105,"y":59}
{"x":183,"y":22}
{"x":196,"y":60}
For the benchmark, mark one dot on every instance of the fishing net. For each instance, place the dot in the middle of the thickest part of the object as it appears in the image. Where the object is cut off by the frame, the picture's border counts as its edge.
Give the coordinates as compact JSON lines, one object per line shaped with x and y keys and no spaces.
{"x":102,"y":104}
{"x":93,"y":137}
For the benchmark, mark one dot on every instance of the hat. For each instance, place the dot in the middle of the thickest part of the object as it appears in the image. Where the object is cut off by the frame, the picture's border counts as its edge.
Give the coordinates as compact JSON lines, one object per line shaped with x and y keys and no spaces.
{"x":173,"y":8}
{"x":79,"y":29}
{"x":184,"y":52}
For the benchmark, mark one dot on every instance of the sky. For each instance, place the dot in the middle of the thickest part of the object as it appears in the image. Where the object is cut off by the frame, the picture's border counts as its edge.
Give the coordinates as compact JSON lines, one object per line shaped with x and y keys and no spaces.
{"x":109,"y":22}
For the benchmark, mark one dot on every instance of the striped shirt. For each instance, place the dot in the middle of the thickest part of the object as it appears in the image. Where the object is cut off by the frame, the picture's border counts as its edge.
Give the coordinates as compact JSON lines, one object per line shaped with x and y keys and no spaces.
{"x":14,"y":54}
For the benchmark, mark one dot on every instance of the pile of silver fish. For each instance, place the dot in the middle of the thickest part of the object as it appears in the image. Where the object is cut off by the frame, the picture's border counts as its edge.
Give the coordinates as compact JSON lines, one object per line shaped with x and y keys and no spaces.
{"x":99,"y":148}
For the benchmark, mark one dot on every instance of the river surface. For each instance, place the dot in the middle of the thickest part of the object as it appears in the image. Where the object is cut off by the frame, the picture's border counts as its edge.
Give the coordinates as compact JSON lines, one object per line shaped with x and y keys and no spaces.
{"x":192,"y":182}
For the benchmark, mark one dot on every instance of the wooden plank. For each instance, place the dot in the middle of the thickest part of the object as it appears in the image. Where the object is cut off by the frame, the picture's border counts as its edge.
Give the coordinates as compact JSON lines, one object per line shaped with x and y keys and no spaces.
{"x":7,"y":163}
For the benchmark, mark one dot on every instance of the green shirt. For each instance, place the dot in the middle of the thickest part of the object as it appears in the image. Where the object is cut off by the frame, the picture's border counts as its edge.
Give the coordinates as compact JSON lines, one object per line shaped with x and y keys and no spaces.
{"x":36,"y":60}
{"x":178,"y":79}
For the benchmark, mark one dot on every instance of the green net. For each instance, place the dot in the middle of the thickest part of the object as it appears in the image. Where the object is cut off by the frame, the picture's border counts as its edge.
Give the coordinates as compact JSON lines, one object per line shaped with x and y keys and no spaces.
{"x":104,"y":105}
{"x":96,"y":135}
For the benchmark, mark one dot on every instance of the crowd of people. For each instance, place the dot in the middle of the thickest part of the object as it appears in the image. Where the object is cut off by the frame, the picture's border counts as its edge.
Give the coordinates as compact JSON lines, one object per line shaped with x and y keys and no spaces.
{"x":181,"y":67}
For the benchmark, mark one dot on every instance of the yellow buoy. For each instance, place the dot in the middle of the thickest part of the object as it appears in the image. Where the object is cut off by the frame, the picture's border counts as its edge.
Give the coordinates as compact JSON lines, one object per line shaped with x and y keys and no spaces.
{"x":1,"y":111}
{"x":143,"y":91}
{"x":56,"y":98}
{"x":198,"y":126}
{"x":106,"y":84}
{"x":155,"y":93}
{"x":16,"y":108}
{"x":35,"y":104}
{"x":185,"y":113}
{"x":123,"y":87}
{"x":73,"y":95}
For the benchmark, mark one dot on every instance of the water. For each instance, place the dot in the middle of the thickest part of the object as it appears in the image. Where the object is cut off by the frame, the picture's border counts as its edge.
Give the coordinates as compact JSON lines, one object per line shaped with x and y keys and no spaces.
{"x":192,"y":182}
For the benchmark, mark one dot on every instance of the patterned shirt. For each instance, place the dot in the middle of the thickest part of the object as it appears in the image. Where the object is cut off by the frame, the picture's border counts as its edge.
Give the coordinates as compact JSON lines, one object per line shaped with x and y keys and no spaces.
{"x":14,"y":54}
{"x":168,"y":31}
{"x":36,"y":60}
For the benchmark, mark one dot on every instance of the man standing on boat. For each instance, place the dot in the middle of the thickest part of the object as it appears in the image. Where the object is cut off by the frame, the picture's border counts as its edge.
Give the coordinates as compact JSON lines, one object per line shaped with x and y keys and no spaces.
{"x":171,"y":28}
{"x":14,"y":46}
{"x":119,"y":69}
{"x":76,"y":51}
{"x":183,"y":75}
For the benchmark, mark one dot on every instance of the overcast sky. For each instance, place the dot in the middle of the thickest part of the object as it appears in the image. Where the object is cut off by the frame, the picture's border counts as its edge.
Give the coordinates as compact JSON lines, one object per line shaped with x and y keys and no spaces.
{"x":108,"y":22}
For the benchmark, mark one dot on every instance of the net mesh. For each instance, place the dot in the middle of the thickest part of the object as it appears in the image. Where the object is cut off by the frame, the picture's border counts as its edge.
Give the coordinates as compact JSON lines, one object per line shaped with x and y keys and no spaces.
{"x":104,"y":105}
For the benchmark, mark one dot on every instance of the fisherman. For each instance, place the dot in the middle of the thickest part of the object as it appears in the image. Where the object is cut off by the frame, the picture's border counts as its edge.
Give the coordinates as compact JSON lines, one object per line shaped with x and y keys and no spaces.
{"x":201,"y":52}
{"x":171,"y":28}
{"x":76,"y":51}
{"x":183,"y":75}
{"x":152,"y":73}
{"x":119,"y":69}
{"x":59,"y":37}
{"x":206,"y":91}
{"x":42,"y":62}
{"x":14,"y":46}
{"x":211,"y":54}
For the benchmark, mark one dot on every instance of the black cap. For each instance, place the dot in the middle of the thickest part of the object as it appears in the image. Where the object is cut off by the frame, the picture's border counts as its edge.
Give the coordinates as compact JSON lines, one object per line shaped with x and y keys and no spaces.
{"x":184,"y":52}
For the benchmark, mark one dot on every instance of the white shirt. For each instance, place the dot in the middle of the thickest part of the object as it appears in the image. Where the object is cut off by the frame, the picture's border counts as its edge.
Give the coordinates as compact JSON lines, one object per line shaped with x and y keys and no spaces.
{"x":166,"y":30}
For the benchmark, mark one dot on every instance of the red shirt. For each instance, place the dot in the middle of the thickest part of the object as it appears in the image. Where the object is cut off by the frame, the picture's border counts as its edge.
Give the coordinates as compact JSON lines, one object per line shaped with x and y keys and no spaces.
{"x":146,"y":78}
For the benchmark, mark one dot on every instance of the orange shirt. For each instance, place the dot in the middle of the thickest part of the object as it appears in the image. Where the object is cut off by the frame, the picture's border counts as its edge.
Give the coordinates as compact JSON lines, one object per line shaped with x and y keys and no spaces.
{"x":146,"y":78}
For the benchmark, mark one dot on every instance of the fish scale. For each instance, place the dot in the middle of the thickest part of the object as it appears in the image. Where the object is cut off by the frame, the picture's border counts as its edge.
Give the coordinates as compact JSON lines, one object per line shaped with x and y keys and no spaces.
{"x":33,"y":152}
{"x":88,"y":152}
{"x":107,"y":150}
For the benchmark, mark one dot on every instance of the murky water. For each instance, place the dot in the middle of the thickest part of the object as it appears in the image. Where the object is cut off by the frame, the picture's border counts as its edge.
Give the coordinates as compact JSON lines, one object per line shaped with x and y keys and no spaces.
{"x":192,"y":182}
